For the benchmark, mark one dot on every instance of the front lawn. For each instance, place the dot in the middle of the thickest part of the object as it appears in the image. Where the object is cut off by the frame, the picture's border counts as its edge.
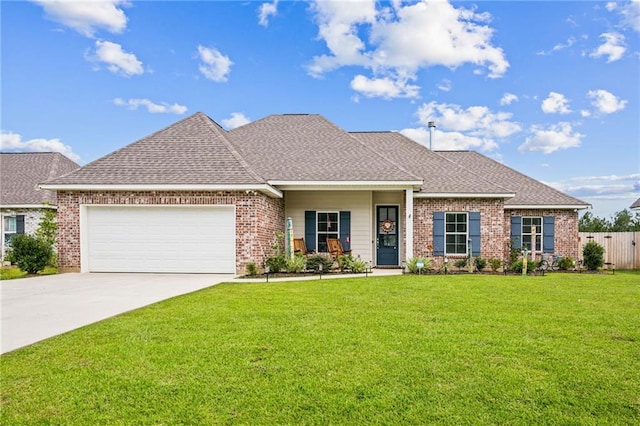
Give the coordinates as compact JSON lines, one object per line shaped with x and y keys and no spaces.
{"x":458,"y":349}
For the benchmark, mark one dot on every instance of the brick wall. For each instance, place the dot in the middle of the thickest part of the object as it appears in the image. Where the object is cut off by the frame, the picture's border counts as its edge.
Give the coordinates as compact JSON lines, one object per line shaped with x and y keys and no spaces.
{"x":258,"y":218}
{"x":32,"y":219}
{"x":491,"y":224}
{"x":566,"y":241}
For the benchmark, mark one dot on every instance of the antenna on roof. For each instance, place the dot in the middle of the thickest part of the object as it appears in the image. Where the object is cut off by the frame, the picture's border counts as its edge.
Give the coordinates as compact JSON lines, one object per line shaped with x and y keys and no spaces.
{"x":431,"y":125}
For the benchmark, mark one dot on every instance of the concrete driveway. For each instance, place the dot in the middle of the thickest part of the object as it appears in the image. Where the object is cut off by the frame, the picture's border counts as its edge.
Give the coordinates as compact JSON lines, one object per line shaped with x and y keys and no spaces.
{"x":37,"y":308}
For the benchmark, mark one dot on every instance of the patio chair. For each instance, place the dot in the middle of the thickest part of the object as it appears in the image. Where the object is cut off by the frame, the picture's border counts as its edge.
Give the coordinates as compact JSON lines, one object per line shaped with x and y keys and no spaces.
{"x":299,"y":247}
{"x":334,"y":246}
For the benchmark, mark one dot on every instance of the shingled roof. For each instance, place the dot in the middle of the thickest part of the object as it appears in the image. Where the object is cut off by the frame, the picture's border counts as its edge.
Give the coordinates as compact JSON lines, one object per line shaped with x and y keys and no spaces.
{"x":636,"y":204}
{"x":193,"y":151}
{"x":529,"y":192}
{"x":308,"y":147}
{"x":441,"y":175}
{"x":20,"y":174}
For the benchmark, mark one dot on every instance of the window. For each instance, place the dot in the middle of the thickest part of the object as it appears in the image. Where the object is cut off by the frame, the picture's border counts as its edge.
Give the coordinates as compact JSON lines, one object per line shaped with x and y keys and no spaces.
{"x":10,"y":229}
{"x":328,"y":226}
{"x":456,"y":226}
{"x":528,"y":223}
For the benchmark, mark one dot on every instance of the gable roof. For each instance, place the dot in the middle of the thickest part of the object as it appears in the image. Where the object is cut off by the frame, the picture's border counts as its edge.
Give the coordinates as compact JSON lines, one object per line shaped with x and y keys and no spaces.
{"x":635,"y":205}
{"x":193,"y":151}
{"x":20,"y":174}
{"x":309,"y":148}
{"x":529,"y":192}
{"x":442,"y":177}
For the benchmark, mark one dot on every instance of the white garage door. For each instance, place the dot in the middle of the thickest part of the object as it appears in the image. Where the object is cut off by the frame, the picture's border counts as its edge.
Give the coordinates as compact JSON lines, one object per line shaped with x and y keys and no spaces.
{"x":176,"y":239}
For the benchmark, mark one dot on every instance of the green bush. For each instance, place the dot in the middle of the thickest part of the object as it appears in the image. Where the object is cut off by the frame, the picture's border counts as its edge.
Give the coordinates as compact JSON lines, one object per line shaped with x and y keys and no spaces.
{"x":345,"y":262}
{"x":593,"y":255}
{"x":30,"y":253}
{"x":276,"y":263}
{"x":314,"y":262}
{"x":517,"y":266}
{"x":460,"y":263}
{"x":412,"y":264}
{"x":480,"y":263}
{"x":565,"y":263}
{"x":495,"y":264}
{"x":358,"y":266}
{"x":296,"y":264}
{"x":252,"y":269}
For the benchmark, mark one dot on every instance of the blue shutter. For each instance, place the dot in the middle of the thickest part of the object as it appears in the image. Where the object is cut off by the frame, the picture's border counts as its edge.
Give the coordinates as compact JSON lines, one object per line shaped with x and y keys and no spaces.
{"x":548,"y":234}
{"x":474,"y":232}
{"x":20,"y":224}
{"x":345,"y":230}
{"x":310,"y":229}
{"x":438,"y":233}
{"x":516,"y":231}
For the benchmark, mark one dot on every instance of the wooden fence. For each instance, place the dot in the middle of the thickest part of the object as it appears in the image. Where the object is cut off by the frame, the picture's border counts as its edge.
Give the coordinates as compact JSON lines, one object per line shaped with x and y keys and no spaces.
{"x":620,"y":248}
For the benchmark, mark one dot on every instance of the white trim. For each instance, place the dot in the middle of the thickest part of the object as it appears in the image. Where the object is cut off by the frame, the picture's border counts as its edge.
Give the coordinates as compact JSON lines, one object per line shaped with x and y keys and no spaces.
{"x":550,"y":206}
{"x":264,"y":188}
{"x":399,"y":238}
{"x":29,"y":206}
{"x":344,"y":185}
{"x":408,"y":211}
{"x":466,"y":247}
{"x":461,"y":195}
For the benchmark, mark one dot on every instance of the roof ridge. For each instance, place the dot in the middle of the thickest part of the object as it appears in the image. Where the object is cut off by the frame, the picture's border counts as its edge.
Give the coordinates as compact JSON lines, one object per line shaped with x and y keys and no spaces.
{"x":472,"y":172}
{"x":230,"y":146}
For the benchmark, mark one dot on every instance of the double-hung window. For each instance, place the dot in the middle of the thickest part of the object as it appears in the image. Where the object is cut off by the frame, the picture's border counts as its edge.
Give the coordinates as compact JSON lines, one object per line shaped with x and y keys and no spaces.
{"x":10,"y":229}
{"x":528,"y":234}
{"x":456,"y":233}
{"x":328,"y":226}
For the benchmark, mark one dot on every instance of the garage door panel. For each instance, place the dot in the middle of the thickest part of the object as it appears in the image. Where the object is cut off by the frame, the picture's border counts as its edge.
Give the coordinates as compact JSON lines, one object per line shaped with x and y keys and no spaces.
{"x":181,"y":239}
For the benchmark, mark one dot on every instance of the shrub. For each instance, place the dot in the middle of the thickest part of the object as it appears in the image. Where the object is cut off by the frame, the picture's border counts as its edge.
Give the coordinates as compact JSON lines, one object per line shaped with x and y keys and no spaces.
{"x":412,"y":264}
{"x":517,"y":266}
{"x":593,"y":255}
{"x":314,"y":262}
{"x":252,"y":269}
{"x":30,"y":253}
{"x":345,"y":262}
{"x":460,"y":263}
{"x":276,"y":263}
{"x":480,"y":263}
{"x":495,"y":264}
{"x":358,"y":266}
{"x":565,"y":263}
{"x":295,"y":264}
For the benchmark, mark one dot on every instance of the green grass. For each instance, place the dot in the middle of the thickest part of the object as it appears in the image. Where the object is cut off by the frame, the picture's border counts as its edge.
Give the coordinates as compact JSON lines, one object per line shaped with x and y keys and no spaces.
{"x":13,"y":272}
{"x":457,"y":349}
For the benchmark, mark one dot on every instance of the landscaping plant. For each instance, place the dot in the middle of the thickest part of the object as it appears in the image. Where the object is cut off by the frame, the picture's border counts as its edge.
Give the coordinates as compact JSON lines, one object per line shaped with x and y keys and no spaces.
{"x":295,"y":264}
{"x":495,"y":264}
{"x":566,"y":263}
{"x":593,"y":255}
{"x":412,"y":264}
{"x":460,"y":264}
{"x":29,"y":253}
{"x":252,"y":269}
{"x":480,"y":263}
{"x":314,"y":262}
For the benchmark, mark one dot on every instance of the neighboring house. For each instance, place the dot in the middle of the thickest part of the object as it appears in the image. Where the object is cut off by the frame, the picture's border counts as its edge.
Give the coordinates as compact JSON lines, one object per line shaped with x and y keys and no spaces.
{"x":21,"y":201}
{"x":194,"y":197}
{"x":636,"y":205}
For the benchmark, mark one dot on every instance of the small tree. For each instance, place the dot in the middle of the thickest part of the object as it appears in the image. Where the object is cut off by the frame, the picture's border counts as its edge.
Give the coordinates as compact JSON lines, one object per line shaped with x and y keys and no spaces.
{"x":31,"y":254}
{"x":47,"y":228}
{"x":593,"y":255}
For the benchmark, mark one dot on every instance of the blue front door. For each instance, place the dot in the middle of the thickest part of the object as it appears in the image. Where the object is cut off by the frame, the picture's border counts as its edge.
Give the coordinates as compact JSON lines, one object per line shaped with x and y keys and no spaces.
{"x":387,"y":235}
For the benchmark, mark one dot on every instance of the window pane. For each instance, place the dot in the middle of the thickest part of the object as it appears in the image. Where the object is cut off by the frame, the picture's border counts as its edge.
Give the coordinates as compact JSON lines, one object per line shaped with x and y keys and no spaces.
{"x":10,"y":224}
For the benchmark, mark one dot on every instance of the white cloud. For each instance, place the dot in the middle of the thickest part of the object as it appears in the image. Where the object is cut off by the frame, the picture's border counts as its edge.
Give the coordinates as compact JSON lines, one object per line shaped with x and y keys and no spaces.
{"x":476,"y":127}
{"x":13,"y":142}
{"x":87,"y":16}
{"x":215,"y":66}
{"x":386,"y":88}
{"x":265,"y":11}
{"x":613,"y":47}
{"x":630,"y":12}
{"x":403,"y":38}
{"x":551,"y":139}
{"x":152,"y":107}
{"x":601,"y":187}
{"x":508,"y":99}
{"x":606,"y":102}
{"x":556,"y":103}
{"x":117,"y":60}
{"x":445,"y":85}
{"x":237,"y":119}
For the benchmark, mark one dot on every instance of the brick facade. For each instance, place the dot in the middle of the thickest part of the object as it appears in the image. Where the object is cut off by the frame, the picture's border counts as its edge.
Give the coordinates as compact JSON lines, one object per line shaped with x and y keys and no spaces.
{"x":491,"y":224}
{"x":258,"y":218}
{"x":32,"y":219}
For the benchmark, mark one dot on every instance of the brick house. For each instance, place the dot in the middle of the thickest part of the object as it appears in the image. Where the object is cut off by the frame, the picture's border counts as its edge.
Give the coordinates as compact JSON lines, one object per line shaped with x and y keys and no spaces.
{"x":194,"y":197}
{"x":22,"y":204}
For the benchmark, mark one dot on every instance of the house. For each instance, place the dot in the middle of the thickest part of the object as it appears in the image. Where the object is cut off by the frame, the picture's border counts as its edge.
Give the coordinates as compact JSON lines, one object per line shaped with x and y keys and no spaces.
{"x":636,"y":205}
{"x":21,"y":202}
{"x":194,"y":197}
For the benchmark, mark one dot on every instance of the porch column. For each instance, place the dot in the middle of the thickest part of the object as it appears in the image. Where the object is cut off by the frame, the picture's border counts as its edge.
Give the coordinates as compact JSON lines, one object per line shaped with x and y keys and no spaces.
{"x":408,"y":213}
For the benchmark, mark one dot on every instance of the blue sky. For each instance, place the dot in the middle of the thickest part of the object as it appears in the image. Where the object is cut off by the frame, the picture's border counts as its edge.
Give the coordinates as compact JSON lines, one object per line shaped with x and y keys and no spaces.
{"x":549,"y":88}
